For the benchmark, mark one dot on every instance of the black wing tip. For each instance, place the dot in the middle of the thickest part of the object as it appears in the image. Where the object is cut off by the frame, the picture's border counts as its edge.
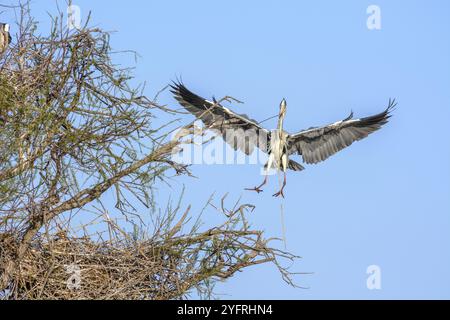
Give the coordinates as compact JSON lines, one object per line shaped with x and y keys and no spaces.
{"x":387,"y":113}
{"x":382,"y":117}
{"x":390,"y":108}
{"x":178,"y":89}
{"x":176,"y":86}
{"x":185,"y":96}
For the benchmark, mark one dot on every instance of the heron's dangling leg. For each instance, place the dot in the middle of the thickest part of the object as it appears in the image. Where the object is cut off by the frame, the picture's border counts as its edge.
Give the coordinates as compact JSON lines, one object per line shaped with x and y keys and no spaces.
{"x":258,"y":188}
{"x":280,"y":193}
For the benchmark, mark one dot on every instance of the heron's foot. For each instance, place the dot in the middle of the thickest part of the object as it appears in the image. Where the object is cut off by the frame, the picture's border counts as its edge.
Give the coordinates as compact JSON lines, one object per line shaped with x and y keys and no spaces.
{"x":256,"y":189}
{"x":279,"y":193}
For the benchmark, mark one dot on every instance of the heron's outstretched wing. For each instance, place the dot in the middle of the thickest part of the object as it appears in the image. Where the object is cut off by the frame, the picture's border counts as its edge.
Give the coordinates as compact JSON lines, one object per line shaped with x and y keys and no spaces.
{"x":240,"y":132}
{"x":317,"y":144}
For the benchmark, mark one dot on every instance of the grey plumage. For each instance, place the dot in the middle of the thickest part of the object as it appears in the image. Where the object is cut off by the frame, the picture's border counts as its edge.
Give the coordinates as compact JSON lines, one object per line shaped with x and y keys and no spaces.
{"x":314,"y":144}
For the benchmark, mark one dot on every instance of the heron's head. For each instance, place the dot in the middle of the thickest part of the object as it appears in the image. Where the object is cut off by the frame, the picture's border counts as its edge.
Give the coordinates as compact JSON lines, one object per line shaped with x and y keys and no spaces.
{"x":283,"y":105}
{"x":5,"y":27}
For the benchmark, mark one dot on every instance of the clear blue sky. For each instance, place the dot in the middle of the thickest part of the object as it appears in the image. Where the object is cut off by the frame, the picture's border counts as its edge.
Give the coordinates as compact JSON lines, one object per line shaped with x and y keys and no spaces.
{"x":382,"y":201}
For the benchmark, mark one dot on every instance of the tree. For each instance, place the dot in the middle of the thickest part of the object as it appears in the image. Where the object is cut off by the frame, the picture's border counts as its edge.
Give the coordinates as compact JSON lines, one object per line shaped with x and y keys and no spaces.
{"x":74,"y":128}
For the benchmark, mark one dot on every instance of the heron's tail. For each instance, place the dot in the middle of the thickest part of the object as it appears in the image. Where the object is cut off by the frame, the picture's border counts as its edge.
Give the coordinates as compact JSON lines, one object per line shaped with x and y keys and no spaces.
{"x":292,"y":165}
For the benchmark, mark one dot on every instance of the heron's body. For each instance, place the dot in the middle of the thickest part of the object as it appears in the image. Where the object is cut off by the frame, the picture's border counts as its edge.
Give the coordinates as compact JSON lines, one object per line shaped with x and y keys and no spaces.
{"x":314,"y":145}
{"x":278,"y":157}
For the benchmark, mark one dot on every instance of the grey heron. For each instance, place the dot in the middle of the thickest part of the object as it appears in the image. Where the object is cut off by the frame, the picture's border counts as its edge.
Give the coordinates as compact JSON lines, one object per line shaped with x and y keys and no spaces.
{"x":5,"y":37}
{"x":315,"y":144}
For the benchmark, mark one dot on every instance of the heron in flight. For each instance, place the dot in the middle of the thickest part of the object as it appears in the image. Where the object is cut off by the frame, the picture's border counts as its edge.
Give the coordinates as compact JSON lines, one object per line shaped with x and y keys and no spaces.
{"x":5,"y":37}
{"x":315,"y":144}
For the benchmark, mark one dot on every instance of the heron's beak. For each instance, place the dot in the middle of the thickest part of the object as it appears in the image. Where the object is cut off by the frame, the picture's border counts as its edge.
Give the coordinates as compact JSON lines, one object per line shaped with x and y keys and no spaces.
{"x":283,"y":105}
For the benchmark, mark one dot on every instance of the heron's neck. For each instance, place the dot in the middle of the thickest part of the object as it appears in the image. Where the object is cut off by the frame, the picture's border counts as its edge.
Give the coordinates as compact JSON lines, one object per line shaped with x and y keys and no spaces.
{"x":280,"y":123}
